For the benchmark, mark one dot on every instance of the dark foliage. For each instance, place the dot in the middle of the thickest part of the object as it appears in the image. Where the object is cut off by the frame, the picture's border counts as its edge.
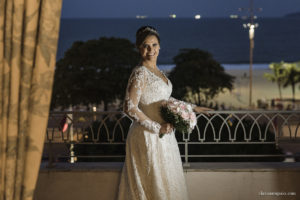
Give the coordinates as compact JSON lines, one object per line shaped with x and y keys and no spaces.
{"x":198,"y":77}
{"x":94,"y":71}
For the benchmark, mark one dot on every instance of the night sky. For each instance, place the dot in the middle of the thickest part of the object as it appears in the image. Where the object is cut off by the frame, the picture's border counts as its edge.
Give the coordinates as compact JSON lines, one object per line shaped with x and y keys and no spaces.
{"x":182,"y":8}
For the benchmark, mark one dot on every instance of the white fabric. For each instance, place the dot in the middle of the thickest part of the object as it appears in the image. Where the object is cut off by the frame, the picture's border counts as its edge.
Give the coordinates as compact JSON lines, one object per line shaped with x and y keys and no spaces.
{"x":153,"y":168}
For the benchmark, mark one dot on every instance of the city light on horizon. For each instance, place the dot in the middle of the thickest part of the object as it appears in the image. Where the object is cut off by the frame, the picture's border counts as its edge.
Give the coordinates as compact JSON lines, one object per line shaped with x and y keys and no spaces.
{"x":172,"y":16}
{"x":197,"y":16}
{"x":108,"y":9}
{"x":141,"y":16}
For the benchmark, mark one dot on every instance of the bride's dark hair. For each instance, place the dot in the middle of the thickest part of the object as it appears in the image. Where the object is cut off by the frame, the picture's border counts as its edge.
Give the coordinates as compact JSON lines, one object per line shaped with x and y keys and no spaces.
{"x":144,"y":32}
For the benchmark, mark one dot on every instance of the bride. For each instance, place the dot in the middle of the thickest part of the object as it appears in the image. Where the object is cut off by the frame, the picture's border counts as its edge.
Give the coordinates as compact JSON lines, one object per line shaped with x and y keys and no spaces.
{"x":152,"y":168}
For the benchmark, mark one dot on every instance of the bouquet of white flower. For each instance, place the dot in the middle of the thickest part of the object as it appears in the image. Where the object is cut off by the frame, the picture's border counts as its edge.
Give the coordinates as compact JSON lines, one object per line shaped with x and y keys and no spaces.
{"x":180,"y":115}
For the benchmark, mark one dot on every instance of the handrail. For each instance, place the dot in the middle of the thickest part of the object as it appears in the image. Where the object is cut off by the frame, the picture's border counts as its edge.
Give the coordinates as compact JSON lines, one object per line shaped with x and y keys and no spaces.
{"x":240,"y":127}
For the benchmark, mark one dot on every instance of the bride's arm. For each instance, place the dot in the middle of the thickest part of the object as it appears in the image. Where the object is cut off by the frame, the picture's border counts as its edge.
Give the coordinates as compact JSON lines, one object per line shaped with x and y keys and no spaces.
{"x":197,"y":109}
{"x":134,"y":91}
{"x":192,"y":105}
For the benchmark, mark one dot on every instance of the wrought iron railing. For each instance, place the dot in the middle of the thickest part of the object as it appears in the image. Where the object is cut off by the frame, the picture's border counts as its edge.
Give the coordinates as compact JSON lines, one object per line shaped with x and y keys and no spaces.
{"x":68,"y":130}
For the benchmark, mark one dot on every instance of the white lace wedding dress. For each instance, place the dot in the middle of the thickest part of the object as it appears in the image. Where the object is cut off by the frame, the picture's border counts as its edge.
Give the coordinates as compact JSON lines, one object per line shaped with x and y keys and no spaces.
{"x":153,"y":168}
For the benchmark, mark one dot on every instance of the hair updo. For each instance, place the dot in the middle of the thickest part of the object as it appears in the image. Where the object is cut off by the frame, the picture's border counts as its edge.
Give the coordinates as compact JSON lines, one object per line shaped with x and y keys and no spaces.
{"x":144,"y":32}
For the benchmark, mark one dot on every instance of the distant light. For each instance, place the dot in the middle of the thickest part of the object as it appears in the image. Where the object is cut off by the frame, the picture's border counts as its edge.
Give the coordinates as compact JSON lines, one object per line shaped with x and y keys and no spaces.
{"x":197,"y":16}
{"x":141,"y":16}
{"x":94,"y":108}
{"x":172,"y":16}
{"x":234,"y":16}
{"x":251,"y":29}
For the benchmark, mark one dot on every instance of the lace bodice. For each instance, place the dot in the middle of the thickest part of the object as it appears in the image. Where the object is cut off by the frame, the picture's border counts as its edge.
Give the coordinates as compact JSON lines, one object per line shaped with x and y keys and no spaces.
{"x":144,"y":94}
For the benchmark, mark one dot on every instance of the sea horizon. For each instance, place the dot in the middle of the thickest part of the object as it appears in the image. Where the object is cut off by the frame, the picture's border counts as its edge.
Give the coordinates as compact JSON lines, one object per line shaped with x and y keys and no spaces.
{"x":227,"y":66}
{"x":276,"y":39}
{"x":177,"y":17}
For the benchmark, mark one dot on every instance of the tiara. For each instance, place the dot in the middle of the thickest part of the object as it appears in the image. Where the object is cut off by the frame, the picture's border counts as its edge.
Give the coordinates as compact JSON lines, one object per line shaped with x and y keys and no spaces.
{"x":151,"y":30}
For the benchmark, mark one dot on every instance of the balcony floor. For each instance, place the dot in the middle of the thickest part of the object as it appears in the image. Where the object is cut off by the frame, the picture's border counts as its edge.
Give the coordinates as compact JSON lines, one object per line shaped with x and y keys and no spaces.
{"x":207,"y":181}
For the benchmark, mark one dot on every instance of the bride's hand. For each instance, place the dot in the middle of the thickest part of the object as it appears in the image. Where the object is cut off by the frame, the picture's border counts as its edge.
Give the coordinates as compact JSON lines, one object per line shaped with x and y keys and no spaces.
{"x":166,"y":128}
{"x":164,"y":102}
{"x":204,"y":110}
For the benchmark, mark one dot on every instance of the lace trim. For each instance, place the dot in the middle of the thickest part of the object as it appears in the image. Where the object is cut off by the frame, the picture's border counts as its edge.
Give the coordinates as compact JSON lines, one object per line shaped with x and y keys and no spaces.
{"x":151,"y":125}
{"x":132,"y":98}
{"x":130,"y":104}
{"x":191,"y":104}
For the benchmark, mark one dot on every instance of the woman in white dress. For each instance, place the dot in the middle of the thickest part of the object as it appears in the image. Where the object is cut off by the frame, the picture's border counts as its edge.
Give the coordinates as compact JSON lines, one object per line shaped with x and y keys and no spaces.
{"x":153,"y":168}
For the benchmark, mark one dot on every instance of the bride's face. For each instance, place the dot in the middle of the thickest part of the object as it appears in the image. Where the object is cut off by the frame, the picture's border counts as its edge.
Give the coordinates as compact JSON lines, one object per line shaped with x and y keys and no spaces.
{"x":149,"y":49}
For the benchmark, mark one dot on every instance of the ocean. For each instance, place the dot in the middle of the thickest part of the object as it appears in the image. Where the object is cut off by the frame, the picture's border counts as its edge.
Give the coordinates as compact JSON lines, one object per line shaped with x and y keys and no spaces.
{"x":227,"y":66}
{"x":276,"y":39}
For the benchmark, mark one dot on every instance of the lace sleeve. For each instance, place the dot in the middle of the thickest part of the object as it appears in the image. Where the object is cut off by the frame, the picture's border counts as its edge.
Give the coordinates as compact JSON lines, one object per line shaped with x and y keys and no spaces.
{"x":192,"y":105}
{"x":134,"y":91}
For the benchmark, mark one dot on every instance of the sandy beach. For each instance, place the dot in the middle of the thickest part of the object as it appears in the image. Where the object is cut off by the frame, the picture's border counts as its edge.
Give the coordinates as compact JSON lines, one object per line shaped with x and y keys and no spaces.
{"x":261,"y":89}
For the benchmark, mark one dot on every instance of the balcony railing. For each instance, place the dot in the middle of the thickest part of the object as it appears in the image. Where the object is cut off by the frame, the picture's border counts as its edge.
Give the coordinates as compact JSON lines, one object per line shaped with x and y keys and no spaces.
{"x":68,"y":130}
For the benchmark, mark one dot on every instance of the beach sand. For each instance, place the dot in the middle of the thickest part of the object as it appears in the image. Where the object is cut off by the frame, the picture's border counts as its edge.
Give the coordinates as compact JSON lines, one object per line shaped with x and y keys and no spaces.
{"x":261,"y":89}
